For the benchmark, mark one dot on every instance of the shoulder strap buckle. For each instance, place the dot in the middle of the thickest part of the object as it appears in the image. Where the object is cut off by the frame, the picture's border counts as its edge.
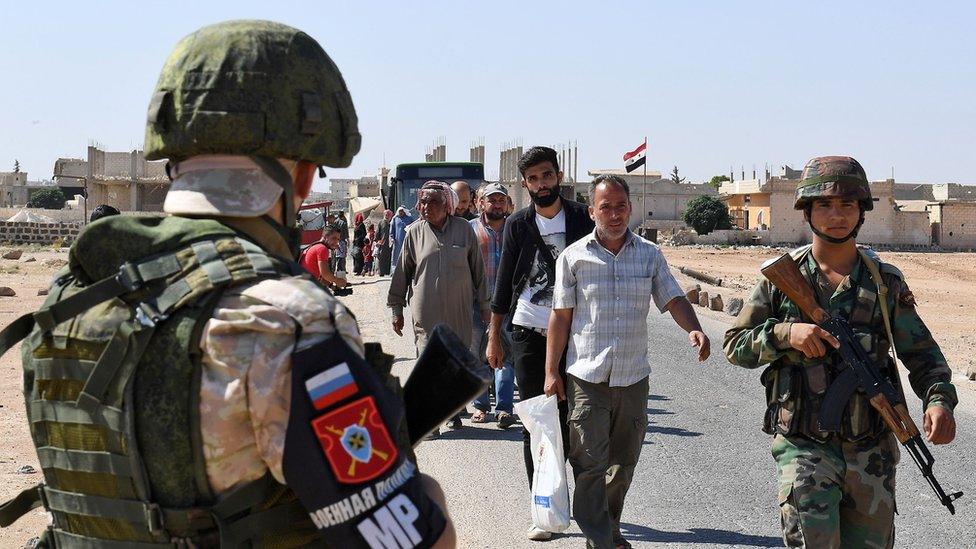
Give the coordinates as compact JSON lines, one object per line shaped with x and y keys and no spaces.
{"x":146,"y":317}
{"x":129,"y":277}
{"x":154,"y":519}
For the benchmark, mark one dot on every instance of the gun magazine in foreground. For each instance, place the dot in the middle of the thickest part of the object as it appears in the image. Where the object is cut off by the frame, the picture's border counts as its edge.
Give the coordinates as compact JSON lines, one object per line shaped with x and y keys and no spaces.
{"x":889,"y":402}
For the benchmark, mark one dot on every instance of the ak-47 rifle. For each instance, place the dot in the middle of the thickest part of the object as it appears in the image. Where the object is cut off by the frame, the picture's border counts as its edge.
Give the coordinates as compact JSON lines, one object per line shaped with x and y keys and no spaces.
{"x":857,"y":371}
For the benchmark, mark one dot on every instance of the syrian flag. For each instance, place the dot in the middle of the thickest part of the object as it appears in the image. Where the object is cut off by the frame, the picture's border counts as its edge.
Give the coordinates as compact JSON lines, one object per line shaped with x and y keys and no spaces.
{"x":635,"y":158}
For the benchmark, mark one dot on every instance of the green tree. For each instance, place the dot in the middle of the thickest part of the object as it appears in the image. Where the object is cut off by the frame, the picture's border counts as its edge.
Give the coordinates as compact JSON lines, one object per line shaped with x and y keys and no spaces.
{"x":49,"y":199}
{"x":706,"y":214}
{"x":718,"y":180}
{"x":675,"y":178}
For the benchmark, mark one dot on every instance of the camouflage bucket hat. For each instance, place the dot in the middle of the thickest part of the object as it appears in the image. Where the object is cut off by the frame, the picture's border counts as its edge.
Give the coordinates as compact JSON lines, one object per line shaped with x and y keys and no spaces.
{"x":232,"y":186}
{"x":252,"y":88}
{"x":827,"y":176}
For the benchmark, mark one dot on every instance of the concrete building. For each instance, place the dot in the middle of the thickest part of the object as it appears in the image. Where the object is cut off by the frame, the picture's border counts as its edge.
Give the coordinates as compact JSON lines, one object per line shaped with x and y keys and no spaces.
{"x":954,"y":224}
{"x":125,"y":180}
{"x":366,"y":186}
{"x":16,"y":189}
{"x":768,"y":206}
{"x":953,"y":191}
{"x":340,"y":187}
{"x":341,"y":190}
{"x":13,"y":189}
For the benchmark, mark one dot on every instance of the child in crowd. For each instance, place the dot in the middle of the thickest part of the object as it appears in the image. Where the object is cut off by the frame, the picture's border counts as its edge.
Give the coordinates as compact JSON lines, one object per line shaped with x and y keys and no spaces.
{"x":368,"y":249}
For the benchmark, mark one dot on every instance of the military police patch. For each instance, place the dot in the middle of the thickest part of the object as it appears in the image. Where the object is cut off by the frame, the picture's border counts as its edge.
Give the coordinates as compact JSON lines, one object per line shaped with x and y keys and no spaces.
{"x":355,"y":441}
{"x":351,"y":475}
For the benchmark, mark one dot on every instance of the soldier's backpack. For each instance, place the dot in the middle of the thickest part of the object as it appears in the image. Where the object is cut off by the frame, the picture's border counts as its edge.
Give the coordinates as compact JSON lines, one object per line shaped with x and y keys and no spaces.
{"x":121,"y":324}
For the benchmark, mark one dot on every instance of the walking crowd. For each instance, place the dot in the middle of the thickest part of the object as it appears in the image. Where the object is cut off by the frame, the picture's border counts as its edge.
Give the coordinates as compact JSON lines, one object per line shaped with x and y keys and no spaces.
{"x":507,"y":283}
{"x":554,"y":298}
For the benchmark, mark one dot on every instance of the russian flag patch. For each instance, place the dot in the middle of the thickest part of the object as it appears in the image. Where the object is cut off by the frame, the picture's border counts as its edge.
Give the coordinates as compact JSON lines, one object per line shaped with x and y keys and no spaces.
{"x":331,"y":386}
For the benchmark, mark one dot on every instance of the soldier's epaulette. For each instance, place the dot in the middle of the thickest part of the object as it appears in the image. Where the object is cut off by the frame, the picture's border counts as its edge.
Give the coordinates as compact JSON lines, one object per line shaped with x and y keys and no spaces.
{"x":798,"y":252}
{"x":888,"y":268}
{"x":868,"y":251}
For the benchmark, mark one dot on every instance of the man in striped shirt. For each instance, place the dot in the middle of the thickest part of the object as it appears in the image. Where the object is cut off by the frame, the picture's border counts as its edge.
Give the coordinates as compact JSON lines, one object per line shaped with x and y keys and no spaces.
{"x":604,"y":285}
{"x":493,"y":204}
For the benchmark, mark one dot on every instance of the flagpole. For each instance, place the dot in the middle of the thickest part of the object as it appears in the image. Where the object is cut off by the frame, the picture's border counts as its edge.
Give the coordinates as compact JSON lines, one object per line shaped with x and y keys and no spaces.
{"x":644,"y":197}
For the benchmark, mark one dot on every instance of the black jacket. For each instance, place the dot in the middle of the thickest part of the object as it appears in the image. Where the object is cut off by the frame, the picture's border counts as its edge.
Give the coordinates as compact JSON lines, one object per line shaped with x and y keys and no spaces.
{"x":519,"y":249}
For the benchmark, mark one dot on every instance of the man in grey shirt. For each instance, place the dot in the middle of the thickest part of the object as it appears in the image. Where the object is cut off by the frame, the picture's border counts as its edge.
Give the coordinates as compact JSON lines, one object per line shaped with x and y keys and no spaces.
{"x":604,"y":285}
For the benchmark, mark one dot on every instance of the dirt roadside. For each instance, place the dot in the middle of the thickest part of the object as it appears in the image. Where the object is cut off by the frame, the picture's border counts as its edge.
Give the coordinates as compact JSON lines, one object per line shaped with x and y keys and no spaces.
{"x":944,"y":285}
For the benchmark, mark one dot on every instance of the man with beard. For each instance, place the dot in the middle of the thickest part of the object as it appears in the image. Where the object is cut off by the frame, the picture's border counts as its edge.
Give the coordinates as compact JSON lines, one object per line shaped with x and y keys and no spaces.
{"x":604,"y":286}
{"x":493,"y":204}
{"x":463,"y":190}
{"x":534,"y":236}
{"x":439,"y":269}
{"x":315,"y":258}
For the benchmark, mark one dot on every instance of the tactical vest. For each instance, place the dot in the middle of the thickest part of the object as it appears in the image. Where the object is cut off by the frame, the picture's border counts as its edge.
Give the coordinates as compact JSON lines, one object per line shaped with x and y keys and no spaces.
{"x":796,"y":385}
{"x":112,"y":381}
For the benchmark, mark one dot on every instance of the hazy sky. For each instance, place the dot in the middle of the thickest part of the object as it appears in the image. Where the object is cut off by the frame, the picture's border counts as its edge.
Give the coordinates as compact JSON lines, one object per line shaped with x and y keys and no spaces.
{"x":711,"y":84}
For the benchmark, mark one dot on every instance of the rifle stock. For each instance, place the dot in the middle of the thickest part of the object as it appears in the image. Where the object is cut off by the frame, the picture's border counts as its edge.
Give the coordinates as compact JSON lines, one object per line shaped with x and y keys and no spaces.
{"x":786,"y":276}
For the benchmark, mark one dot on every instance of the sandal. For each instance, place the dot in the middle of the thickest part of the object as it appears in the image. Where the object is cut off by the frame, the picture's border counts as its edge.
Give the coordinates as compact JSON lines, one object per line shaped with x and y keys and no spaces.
{"x":479,"y":416}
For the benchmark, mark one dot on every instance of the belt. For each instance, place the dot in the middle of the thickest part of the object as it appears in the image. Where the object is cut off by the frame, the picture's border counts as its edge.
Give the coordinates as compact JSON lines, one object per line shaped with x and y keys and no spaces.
{"x":544,"y":332}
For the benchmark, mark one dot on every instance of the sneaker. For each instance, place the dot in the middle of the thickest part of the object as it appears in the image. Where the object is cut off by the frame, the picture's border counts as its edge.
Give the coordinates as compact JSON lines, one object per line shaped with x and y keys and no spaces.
{"x":538,"y":534}
{"x":505,"y":420}
{"x":456,"y":422}
{"x":479,"y":416}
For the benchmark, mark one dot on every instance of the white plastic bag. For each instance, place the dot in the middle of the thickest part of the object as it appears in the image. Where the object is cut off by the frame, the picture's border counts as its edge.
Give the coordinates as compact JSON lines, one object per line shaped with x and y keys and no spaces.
{"x":550,"y":493}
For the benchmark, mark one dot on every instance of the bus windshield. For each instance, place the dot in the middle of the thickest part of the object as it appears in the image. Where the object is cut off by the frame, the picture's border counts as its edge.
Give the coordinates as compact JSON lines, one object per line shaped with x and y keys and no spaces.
{"x":410,"y":177}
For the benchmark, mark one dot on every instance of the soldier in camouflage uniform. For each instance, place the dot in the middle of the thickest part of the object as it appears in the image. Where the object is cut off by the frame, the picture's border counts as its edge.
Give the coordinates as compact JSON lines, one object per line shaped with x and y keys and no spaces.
{"x":838,"y":489}
{"x":225,"y":437}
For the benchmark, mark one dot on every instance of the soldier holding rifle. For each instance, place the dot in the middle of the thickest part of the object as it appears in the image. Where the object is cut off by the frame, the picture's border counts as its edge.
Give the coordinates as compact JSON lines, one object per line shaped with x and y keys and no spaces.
{"x":836,"y":461}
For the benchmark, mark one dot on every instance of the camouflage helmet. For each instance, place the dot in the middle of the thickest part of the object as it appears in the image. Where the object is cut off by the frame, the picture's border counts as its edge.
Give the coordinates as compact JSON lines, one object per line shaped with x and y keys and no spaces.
{"x":254,"y":88}
{"x":827,"y":176}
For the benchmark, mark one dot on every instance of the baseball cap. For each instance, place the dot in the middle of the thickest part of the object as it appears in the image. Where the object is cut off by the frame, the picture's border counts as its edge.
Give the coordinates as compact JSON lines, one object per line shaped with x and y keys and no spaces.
{"x":493,"y":188}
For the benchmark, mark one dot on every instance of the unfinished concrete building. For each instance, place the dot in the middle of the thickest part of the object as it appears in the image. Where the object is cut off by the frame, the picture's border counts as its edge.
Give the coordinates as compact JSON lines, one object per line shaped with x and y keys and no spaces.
{"x":124,"y":180}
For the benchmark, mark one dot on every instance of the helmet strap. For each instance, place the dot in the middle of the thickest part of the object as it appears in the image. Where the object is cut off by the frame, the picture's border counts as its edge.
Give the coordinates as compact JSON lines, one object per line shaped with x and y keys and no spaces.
{"x":273,"y":169}
{"x":289,"y":229}
{"x":291,"y":235}
{"x":835,"y":240}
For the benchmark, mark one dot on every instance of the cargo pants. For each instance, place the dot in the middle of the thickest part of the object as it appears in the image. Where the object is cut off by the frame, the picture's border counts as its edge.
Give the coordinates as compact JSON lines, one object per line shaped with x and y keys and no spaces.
{"x":607,"y":426}
{"x":837,"y":494}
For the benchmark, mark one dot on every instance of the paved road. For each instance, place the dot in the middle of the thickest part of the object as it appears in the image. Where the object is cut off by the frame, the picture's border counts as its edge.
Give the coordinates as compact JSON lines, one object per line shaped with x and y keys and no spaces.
{"x":705,"y":477}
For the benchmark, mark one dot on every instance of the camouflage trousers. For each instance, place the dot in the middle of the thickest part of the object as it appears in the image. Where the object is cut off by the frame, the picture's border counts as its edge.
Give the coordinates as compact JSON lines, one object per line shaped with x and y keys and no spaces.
{"x":837,"y":494}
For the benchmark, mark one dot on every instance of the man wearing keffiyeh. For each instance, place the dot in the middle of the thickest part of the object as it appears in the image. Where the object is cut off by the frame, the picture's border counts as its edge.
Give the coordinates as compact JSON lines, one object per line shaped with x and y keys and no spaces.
{"x":441,"y":265}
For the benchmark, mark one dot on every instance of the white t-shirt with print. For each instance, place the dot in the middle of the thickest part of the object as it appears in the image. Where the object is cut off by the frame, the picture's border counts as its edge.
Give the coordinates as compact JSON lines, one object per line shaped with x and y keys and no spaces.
{"x":535,"y":302}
